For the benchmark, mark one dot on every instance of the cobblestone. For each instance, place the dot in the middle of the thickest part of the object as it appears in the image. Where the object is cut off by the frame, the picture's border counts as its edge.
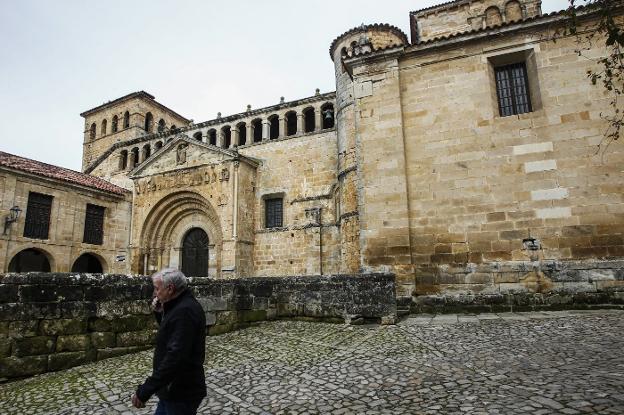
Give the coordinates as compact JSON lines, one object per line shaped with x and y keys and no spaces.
{"x":525,"y":363}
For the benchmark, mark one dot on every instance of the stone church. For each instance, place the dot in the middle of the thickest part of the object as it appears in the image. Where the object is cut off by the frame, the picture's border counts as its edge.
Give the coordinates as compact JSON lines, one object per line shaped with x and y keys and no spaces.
{"x":446,"y":158}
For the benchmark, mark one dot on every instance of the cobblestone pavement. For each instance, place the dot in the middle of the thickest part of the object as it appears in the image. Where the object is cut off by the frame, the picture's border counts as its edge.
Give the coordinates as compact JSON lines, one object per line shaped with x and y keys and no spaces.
{"x":525,"y":363}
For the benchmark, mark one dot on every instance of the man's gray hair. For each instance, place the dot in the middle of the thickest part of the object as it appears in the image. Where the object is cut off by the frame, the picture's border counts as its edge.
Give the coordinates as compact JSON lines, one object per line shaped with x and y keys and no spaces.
{"x":172,"y":276}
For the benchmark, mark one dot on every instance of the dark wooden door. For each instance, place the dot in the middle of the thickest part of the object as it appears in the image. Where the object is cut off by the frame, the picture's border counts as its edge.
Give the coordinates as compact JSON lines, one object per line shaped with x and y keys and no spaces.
{"x":195,"y":253}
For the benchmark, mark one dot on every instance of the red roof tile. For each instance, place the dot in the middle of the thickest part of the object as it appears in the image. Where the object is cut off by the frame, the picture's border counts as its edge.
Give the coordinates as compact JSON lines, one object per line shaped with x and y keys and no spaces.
{"x":55,"y":172}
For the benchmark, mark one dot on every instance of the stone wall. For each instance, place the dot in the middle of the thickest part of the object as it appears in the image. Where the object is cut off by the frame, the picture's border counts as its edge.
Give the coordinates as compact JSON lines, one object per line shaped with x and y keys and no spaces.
{"x":51,"y":321}
{"x":519,"y":285}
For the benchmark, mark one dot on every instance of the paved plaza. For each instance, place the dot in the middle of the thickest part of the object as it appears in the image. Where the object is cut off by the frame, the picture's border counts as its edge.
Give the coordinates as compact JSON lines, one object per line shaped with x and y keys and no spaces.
{"x":568,"y":362}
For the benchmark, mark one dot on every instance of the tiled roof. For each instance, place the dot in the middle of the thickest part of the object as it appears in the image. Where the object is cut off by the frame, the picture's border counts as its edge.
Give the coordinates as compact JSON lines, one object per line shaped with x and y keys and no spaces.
{"x":498,"y":26}
{"x":138,"y":94}
{"x":364,"y":28}
{"x":59,"y":173}
{"x":435,"y":6}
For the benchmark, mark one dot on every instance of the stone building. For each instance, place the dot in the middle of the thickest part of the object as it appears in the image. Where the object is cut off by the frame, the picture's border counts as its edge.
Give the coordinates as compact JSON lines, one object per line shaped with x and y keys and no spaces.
{"x":446,"y":160}
{"x":61,"y":220}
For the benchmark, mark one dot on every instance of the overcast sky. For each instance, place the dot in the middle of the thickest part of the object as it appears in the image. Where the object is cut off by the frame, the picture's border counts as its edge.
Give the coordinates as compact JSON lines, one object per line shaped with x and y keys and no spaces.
{"x":59,"y":58}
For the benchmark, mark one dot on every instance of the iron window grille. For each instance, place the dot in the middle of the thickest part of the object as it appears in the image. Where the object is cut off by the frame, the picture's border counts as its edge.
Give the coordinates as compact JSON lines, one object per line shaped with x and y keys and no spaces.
{"x":94,"y":225}
{"x":38,"y":216}
{"x":274,"y":213}
{"x":512,"y":88}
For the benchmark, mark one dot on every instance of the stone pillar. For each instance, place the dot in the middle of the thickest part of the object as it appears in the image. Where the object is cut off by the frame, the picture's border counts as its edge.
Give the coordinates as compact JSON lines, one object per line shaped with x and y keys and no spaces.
{"x":134,"y":159}
{"x":249,"y":133}
{"x":299,"y":123}
{"x":318,"y":119}
{"x":235,"y":136}
{"x":282,"y":127}
{"x":265,"y":130}
{"x":220,"y":139}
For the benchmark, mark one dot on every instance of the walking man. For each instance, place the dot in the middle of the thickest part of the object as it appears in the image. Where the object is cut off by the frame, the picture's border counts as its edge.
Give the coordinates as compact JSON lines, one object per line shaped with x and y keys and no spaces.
{"x":178,"y":366}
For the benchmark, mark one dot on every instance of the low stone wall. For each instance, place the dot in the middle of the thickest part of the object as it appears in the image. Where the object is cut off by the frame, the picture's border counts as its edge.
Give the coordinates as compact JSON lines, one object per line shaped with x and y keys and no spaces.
{"x":51,"y":321}
{"x":518,"y":286}
{"x":342,"y":298}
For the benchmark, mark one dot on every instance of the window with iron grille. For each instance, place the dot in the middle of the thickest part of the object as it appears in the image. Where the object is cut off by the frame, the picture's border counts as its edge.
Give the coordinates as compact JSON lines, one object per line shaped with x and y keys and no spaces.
{"x":273,"y":213}
{"x":94,"y":225}
{"x":512,"y":89}
{"x":38,"y":216}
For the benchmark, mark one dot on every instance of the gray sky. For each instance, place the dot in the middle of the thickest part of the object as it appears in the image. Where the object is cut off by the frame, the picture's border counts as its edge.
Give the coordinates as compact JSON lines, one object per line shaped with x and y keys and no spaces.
{"x":59,"y":58}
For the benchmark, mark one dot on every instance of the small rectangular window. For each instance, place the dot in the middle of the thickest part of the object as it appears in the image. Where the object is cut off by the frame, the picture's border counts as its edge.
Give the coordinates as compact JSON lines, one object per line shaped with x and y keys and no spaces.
{"x":94,"y":225}
{"x":38,"y":216}
{"x":274,"y":213}
{"x":512,"y":89}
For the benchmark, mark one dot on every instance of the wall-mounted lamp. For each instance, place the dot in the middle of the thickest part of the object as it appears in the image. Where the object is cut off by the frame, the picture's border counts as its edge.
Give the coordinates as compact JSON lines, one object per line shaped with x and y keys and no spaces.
{"x":14,"y":213}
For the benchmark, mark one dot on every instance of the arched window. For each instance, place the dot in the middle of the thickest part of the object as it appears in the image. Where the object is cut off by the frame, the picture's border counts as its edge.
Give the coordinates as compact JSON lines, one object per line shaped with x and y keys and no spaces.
{"x":256,"y":126}
{"x":103,"y":129}
{"x":227,"y":136}
{"x":212,"y":137}
{"x":327,"y":115}
{"x":126,"y":120}
{"x":242,"y":133}
{"x":291,"y":123}
{"x":158,"y":145}
{"x":197,"y":136}
{"x":513,"y":11}
{"x":123,"y":160}
{"x":134,"y":157}
{"x":114,"y":124}
{"x":309,"y":123}
{"x":92,"y":131}
{"x":149,"y":122}
{"x":147,"y":151}
{"x":273,"y":127}
{"x":161,"y":125}
{"x":87,"y":263}
{"x":29,"y":260}
{"x":493,"y":16}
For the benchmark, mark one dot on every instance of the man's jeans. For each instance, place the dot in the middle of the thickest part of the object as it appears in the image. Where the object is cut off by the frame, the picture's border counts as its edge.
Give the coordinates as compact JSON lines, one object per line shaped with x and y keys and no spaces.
{"x":167,"y":407}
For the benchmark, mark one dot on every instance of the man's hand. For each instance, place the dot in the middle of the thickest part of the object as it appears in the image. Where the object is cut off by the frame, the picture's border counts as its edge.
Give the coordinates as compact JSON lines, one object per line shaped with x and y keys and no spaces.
{"x":137,"y":402}
{"x":156,"y":305}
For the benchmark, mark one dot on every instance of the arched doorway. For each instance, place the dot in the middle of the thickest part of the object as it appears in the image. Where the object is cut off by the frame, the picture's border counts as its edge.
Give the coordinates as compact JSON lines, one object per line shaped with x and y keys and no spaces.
{"x":195,"y":253}
{"x":87,"y":263}
{"x":29,"y":260}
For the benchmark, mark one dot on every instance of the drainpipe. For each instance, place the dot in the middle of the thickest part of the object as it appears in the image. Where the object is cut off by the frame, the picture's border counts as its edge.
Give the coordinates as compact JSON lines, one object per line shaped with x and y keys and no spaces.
{"x":319,"y":220}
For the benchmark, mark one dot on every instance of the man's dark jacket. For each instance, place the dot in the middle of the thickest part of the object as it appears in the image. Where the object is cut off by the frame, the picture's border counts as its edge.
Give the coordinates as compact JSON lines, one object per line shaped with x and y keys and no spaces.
{"x":178,"y":366}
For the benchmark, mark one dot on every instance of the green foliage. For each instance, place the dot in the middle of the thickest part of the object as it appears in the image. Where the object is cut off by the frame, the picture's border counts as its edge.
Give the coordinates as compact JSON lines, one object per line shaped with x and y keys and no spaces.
{"x":607,"y":29}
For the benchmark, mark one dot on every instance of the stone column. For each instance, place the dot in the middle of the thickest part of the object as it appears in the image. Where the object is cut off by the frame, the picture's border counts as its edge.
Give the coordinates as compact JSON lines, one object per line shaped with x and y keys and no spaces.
{"x":235,"y":136}
{"x":299,"y":123}
{"x":318,"y":119}
{"x":282,"y":127}
{"x":134,"y":159}
{"x":265,"y":130}
{"x":249,"y":133}
{"x":220,"y":139}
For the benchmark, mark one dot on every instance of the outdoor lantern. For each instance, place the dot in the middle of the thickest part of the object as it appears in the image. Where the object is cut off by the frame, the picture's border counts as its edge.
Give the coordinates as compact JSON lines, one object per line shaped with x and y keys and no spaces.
{"x":14,"y":213}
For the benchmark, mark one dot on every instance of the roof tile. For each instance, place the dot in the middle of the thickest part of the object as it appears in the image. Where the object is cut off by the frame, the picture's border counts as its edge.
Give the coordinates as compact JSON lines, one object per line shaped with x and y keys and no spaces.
{"x":60,"y":173}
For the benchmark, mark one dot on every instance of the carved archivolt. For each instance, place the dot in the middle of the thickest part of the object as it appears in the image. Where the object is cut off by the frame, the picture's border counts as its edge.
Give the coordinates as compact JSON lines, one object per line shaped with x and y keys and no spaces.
{"x":160,"y":226}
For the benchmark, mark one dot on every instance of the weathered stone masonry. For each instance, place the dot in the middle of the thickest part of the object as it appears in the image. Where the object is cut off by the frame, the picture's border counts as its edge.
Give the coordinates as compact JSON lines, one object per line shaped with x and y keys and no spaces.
{"x":52,"y":321}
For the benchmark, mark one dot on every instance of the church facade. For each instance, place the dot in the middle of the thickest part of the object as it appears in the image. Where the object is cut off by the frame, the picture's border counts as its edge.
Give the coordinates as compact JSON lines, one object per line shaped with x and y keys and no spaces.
{"x":443,"y":159}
